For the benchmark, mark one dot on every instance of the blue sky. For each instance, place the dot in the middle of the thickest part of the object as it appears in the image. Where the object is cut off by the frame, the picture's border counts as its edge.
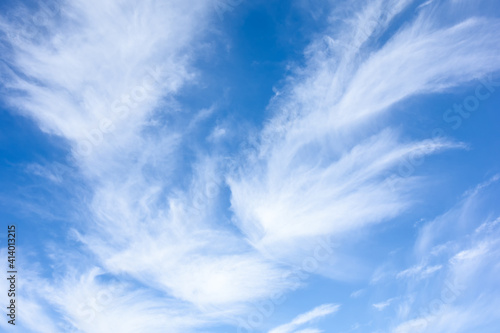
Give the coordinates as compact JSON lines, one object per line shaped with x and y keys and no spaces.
{"x":267,"y":166}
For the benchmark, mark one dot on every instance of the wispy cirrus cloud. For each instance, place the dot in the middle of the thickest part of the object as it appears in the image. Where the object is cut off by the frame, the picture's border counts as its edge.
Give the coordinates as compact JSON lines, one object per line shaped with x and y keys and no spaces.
{"x":420,"y":270}
{"x":305,"y":318}
{"x":321,"y":166}
{"x":461,"y":298}
{"x":103,"y":76}
{"x":98,"y":78}
{"x":382,"y":305}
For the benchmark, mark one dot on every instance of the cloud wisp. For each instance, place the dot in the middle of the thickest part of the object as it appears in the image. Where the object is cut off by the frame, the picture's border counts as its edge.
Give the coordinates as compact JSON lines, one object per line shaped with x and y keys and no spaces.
{"x":321,"y":164}
{"x":306,"y":318}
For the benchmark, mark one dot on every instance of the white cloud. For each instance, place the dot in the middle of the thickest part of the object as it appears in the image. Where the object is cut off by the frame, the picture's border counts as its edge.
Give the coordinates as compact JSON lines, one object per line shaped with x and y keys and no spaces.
{"x":470,"y":254}
{"x":54,"y":172}
{"x":460,"y":299}
{"x":320,"y":166}
{"x":99,"y":80}
{"x":452,"y":319}
{"x":382,"y":305}
{"x":309,"y":330}
{"x":305,"y":318}
{"x":357,"y":293}
{"x":419,"y":271}
{"x":101,"y":73}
